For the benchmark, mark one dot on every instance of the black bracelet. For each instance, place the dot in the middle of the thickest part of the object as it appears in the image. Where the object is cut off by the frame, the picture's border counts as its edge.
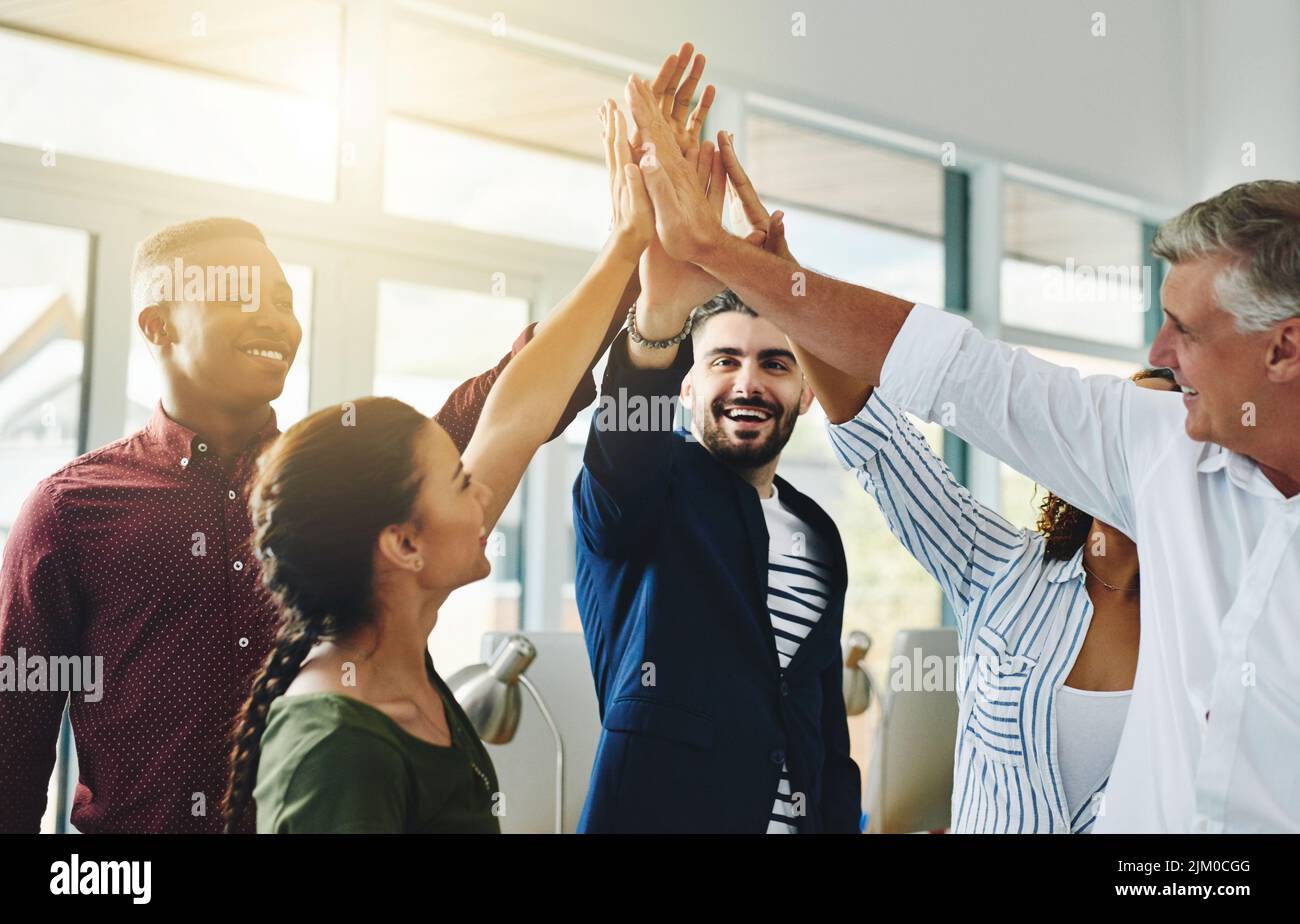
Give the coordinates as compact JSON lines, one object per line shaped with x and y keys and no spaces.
{"x":635,"y":336}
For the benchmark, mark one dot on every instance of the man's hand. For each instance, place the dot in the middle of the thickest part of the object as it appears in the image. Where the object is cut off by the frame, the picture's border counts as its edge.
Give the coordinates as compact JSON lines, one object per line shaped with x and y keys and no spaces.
{"x":667,"y":283}
{"x":770,"y":226}
{"x":684,"y":217}
{"x":675,"y":101}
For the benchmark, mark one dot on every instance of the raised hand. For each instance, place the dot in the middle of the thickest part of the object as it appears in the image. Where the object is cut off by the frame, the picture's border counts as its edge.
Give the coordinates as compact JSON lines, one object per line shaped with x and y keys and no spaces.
{"x":771,"y":227}
{"x":674,"y":285}
{"x":674,"y":101}
{"x":632,"y":224}
{"x":684,"y":216}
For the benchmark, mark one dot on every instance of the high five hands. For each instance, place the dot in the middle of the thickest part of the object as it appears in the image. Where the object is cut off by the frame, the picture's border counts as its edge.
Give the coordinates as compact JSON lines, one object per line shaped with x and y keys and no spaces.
{"x":686,"y":179}
{"x":632,"y":224}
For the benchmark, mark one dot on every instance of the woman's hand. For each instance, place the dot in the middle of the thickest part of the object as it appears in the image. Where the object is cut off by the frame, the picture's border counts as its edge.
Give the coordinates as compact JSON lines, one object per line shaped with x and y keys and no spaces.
{"x":633,"y":225}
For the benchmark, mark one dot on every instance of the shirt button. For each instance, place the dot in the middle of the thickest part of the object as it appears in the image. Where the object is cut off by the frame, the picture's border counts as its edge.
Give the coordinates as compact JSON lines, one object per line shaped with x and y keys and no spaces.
{"x":778,"y":757}
{"x":184,"y":462}
{"x":239,"y":566}
{"x":243,"y":643}
{"x":203,"y":447}
{"x":232,"y":495}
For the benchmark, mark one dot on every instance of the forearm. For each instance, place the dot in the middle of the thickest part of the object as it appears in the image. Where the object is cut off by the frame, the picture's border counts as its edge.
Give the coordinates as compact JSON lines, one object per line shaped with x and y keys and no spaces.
{"x":533,"y":391}
{"x":657,"y":322}
{"x":852,"y":327}
{"x":628,"y":461}
{"x":841,"y":395}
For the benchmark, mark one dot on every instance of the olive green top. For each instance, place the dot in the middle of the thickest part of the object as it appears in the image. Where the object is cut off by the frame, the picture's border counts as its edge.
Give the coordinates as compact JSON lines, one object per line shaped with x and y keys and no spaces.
{"x":333,"y":764}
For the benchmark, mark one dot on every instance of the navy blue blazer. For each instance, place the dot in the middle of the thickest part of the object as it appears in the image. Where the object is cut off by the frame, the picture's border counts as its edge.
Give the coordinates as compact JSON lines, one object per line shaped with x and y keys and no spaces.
{"x":697,"y":718}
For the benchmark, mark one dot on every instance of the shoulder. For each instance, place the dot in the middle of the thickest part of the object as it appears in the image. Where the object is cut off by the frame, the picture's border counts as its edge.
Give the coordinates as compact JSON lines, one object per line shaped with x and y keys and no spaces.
{"x":326,"y":765}
{"x":88,"y":470}
{"x":330,"y":729}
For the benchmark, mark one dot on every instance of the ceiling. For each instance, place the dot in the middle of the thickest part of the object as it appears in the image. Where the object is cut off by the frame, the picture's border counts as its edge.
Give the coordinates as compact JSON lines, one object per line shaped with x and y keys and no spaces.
{"x":288,"y":44}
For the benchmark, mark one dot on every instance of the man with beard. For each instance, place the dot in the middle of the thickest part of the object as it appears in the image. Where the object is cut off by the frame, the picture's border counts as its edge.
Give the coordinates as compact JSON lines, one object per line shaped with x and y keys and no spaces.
{"x":711,"y":591}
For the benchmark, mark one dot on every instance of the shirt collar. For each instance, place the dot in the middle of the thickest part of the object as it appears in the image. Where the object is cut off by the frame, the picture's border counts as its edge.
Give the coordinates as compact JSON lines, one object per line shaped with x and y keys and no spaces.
{"x":1062,"y":571}
{"x":182,"y":444}
{"x":1242,"y":470}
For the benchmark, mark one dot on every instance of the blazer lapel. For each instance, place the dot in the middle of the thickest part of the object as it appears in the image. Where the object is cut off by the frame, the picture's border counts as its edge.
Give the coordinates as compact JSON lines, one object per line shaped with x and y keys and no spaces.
{"x":835,"y":567}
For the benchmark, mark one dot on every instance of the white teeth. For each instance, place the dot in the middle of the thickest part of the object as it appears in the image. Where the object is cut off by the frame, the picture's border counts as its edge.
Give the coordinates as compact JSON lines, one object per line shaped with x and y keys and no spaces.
{"x":267,"y":354}
{"x":740,"y":413}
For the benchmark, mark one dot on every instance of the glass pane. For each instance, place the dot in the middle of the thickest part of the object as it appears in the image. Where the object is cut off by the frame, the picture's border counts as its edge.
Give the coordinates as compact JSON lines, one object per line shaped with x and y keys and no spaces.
{"x":1071,"y":267}
{"x":844,"y":176}
{"x":65,"y":99}
{"x":144,"y":379}
{"x":1020,"y":497}
{"x":500,"y":88}
{"x":905,"y":265}
{"x":428,"y":341}
{"x":434,"y":174}
{"x":43,"y":279}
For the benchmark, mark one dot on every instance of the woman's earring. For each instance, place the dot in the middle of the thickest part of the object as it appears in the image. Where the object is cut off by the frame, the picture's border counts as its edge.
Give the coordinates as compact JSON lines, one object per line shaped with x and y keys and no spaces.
{"x":419,"y":564}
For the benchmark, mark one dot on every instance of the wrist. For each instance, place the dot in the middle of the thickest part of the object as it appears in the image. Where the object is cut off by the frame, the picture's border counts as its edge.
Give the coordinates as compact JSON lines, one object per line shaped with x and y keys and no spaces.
{"x":657,"y":319}
{"x":709,"y":248}
{"x":624,"y":247}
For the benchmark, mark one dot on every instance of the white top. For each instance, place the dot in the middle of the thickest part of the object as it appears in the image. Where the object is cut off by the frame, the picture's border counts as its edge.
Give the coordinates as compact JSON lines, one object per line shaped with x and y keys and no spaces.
{"x":1213,"y":738}
{"x":1088,"y":726}
{"x":1021,"y":621}
{"x":797,"y":592}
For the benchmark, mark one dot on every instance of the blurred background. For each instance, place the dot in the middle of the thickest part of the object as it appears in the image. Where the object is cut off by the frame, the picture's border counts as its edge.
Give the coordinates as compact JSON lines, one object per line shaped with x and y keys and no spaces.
{"x":429,"y":175}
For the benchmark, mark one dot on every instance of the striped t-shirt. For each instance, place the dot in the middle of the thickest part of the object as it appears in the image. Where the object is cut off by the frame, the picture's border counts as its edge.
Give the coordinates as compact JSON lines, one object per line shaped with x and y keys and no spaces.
{"x":797,"y":594}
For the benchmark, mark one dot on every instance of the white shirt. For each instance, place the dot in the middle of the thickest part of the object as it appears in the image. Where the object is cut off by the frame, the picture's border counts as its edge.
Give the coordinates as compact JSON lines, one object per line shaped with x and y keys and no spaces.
{"x":1212,"y":742}
{"x":1088,"y":726}
{"x":797,"y":592}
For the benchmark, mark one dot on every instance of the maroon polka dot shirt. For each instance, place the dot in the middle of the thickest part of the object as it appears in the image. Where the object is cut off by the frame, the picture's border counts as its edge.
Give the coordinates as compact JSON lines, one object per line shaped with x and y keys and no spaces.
{"x":138,"y":553}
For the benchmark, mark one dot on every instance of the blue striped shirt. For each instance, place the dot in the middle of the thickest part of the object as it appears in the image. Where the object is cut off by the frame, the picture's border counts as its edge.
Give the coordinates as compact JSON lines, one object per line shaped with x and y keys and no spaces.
{"x":1021,"y":620}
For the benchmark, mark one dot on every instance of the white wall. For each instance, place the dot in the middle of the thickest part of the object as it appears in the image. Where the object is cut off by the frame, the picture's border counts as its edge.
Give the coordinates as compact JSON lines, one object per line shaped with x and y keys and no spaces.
{"x":1244,"y":76}
{"x":1023,"y":80}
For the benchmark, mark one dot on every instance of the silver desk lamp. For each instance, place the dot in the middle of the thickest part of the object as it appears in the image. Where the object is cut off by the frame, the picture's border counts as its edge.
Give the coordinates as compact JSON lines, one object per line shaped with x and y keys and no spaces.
{"x":857,"y":682}
{"x":489,"y":694}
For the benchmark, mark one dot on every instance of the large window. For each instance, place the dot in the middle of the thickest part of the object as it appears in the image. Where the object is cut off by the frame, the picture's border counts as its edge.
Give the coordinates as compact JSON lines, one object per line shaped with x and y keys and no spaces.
{"x":66,"y":99}
{"x":486,"y":135}
{"x":43,"y":274}
{"x":1072,"y":268}
{"x":428,"y":341}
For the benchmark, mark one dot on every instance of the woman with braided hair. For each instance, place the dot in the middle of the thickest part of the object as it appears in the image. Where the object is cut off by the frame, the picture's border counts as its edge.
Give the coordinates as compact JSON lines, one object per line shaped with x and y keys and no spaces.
{"x":365,"y":519}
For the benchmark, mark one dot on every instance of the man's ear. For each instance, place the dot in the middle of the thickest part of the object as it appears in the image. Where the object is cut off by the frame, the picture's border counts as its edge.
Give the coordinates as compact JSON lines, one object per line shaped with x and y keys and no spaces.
{"x":687,"y":392}
{"x":152,"y":321}
{"x":1284,"y":352}
{"x":806,"y":398}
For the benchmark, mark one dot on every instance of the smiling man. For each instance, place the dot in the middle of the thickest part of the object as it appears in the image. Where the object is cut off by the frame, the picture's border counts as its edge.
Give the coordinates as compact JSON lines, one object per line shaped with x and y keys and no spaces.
{"x":138,"y":551}
{"x":712,"y":595}
{"x":1208,"y":487}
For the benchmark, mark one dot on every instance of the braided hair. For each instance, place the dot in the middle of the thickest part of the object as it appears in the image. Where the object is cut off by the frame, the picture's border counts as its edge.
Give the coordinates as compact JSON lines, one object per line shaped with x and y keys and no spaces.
{"x":1066,"y":527}
{"x":323,"y":493}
